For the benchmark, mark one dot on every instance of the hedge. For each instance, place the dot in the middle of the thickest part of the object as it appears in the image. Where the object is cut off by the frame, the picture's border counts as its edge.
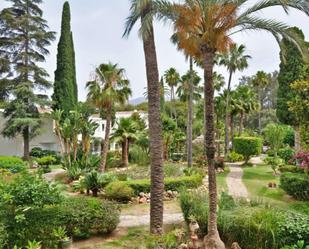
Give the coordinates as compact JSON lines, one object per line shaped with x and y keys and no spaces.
{"x":296,"y":185}
{"x":119,"y":191}
{"x":247,"y":146}
{"x":174,"y":184}
{"x":12,"y":164}
{"x":80,"y":216}
{"x":252,"y":226}
{"x":290,"y":168}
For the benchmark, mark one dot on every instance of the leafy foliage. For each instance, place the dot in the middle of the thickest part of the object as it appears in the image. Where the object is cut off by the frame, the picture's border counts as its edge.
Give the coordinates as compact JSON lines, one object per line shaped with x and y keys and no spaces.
{"x":296,"y":185}
{"x":235,"y":157}
{"x":13,"y":164}
{"x":119,"y":191}
{"x":247,"y":146}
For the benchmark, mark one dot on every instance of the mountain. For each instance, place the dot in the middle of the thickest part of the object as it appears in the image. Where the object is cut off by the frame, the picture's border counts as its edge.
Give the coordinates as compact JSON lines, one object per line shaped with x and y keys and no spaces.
{"x":137,"y":101}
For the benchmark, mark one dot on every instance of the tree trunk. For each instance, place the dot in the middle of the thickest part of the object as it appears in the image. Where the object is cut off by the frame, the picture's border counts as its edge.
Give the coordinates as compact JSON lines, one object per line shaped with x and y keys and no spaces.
{"x":155,"y":134}
{"x":227,"y":116}
{"x":190,"y":117}
{"x":241,"y":123}
{"x":26,"y":137}
{"x":259,"y":113}
{"x":212,"y":239}
{"x":218,"y":138}
{"x":105,"y":144}
{"x":232,"y":130}
{"x":297,"y":142}
{"x":124,"y":151}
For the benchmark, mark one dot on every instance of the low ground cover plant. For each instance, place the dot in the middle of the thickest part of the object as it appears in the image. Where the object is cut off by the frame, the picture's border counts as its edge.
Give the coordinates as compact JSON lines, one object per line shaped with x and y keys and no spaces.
{"x":12,"y":164}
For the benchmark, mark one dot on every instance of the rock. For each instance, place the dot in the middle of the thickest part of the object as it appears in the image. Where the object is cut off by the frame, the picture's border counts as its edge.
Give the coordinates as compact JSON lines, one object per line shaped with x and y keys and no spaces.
{"x":183,"y":246}
{"x":235,"y":246}
{"x":142,"y":200}
{"x":142,"y":194}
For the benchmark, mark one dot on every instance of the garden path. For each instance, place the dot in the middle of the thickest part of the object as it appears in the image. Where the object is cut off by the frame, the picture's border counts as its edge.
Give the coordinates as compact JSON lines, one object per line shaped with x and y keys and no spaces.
{"x":236,"y":187}
{"x":51,"y":176}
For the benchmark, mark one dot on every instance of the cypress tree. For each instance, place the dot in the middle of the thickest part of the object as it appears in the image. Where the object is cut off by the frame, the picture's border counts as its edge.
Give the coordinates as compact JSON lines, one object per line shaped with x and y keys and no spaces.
{"x":26,"y":35}
{"x":65,"y":87}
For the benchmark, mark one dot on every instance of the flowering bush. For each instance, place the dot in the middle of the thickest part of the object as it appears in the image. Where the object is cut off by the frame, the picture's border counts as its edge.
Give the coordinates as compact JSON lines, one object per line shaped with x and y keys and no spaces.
{"x":301,"y":159}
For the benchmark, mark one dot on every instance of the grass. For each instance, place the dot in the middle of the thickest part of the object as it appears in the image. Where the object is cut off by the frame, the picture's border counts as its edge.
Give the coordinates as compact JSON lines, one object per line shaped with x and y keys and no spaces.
{"x":256,"y":180}
{"x":221,"y":180}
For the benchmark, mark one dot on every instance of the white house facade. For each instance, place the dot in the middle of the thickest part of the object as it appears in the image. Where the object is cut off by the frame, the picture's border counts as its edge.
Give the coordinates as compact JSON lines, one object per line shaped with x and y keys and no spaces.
{"x":47,"y":138}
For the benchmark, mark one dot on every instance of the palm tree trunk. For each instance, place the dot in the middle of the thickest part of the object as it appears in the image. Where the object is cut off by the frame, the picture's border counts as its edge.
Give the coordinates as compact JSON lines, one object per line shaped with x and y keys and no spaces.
{"x":241,"y":123}
{"x":190,"y":117}
{"x":212,"y":239}
{"x":218,"y":137}
{"x":227,"y":116}
{"x":124,"y":151}
{"x":155,"y":134}
{"x":26,"y":137}
{"x":259,"y":113}
{"x":105,"y":144}
{"x":232,"y":129}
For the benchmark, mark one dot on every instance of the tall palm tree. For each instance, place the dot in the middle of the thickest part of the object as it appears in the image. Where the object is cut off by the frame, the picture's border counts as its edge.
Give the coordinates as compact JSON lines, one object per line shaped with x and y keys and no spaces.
{"x":260,"y":80}
{"x":172,"y":79}
{"x":125,"y":130}
{"x":108,"y":88}
{"x":204,"y":28}
{"x":145,"y":11}
{"x":233,"y":60}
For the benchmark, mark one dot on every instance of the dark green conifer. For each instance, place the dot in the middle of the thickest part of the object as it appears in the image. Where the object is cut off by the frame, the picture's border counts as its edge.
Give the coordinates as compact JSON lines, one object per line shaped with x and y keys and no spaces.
{"x":65,"y":87}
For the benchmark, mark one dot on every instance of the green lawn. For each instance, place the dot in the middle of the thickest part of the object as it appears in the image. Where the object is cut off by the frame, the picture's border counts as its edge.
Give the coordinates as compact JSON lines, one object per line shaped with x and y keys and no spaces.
{"x":221,"y":180}
{"x":256,"y":180}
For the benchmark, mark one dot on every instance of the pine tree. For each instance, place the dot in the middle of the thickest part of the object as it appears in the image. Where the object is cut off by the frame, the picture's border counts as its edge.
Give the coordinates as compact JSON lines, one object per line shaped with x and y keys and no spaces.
{"x":27,"y":35}
{"x":65,"y":86}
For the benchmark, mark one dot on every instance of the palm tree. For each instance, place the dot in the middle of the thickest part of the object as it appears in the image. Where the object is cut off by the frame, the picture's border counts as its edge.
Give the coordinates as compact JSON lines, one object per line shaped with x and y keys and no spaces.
{"x":204,"y":28}
{"x":126,"y":130}
{"x":233,"y":60}
{"x":172,"y":79}
{"x":260,"y":80}
{"x":145,"y":11}
{"x":109,"y":87}
{"x":247,"y":103}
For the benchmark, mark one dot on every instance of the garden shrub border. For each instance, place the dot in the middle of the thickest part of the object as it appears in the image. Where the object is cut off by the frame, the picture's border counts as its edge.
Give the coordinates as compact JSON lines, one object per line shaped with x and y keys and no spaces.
{"x":296,"y":185}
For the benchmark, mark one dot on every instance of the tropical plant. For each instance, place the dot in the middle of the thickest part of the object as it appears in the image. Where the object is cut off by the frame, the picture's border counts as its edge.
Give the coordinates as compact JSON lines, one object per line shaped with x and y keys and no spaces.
{"x":235,"y":59}
{"x":172,"y":78}
{"x":260,"y":81}
{"x":108,"y":88}
{"x":126,"y":130}
{"x":145,"y":11}
{"x":24,"y":36}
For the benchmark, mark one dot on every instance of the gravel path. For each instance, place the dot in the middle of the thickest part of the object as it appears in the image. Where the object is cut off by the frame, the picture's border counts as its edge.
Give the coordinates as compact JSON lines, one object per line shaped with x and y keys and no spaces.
{"x":235,"y":185}
{"x":144,"y":220}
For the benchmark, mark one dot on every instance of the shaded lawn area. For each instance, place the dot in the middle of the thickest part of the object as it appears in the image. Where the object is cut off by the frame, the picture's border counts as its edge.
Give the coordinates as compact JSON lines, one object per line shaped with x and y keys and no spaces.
{"x":256,"y":180}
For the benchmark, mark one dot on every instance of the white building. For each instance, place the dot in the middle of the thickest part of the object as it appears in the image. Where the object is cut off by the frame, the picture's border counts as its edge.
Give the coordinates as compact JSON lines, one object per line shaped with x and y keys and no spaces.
{"x":47,"y":138}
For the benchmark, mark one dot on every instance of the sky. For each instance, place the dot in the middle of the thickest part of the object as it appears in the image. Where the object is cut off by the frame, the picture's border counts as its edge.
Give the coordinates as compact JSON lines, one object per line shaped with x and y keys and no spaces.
{"x":98,"y":25}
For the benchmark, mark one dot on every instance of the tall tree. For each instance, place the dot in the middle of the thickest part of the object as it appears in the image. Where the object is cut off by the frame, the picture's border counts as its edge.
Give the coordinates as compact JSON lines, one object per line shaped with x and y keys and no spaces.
{"x":204,"y":28}
{"x":27,"y":34}
{"x":172,"y":78}
{"x":260,"y":81}
{"x":235,"y":59}
{"x":108,"y":88}
{"x":290,"y":71}
{"x":145,"y":11}
{"x":65,"y":95}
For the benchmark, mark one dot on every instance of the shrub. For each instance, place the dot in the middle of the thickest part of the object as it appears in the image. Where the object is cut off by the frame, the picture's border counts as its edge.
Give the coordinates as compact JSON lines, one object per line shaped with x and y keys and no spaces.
{"x":13,"y":164}
{"x":290,"y":168}
{"x":38,"y":152}
{"x":235,"y":157}
{"x":274,"y":135}
{"x":46,"y":161}
{"x":301,"y":159}
{"x":174,"y":184}
{"x":286,"y":154}
{"x":247,"y":146}
{"x":79,"y":216}
{"x":113,"y":159}
{"x":119,"y":191}
{"x":274,"y":162}
{"x":300,"y":245}
{"x":138,"y":156}
{"x":3,"y":236}
{"x":296,"y":185}
{"x":253,"y":227}
{"x":172,"y":170}
{"x":289,"y":137}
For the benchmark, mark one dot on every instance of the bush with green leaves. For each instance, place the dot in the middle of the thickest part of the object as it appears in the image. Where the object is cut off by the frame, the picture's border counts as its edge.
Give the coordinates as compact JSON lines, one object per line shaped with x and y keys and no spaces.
{"x":46,"y":161}
{"x":138,"y":156}
{"x":247,"y":146}
{"x":252,"y":225}
{"x":296,"y":185}
{"x":174,"y":184}
{"x":286,"y":154}
{"x":290,"y":168}
{"x":119,"y":191}
{"x":172,"y":170}
{"x":300,"y":245}
{"x":38,"y":152}
{"x":13,"y":164}
{"x":274,"y":136}
{"x":3,"y":236}
{"x":235,"y":157}
{"x":80,"y":217}
{"x":114,"y":159}
{"x":274,"y":162}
